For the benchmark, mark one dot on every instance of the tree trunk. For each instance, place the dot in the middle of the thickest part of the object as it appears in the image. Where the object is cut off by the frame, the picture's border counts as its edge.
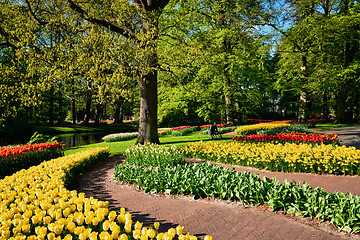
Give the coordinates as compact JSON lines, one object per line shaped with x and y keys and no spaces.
{"x":119,"y":106}
{"x":73,"y":106}
{"x":73,"y":109}
{"x":98,"y":114}
{"x":51,"y":107}
{"x":229,"y":113}
{"x":148,"y":109}
{"x":302,"y":106}
{"x":340,"y":104}
{"x":148,"y":132}
{"x":87,"y":109}
{"x":302,"y":99}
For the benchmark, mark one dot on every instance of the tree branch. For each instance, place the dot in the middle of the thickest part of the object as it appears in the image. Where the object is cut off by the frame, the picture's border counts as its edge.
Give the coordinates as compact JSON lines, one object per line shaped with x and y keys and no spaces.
{"x":33,"y":14}
{"x":7,"y":37}
{"x":125,"y":32}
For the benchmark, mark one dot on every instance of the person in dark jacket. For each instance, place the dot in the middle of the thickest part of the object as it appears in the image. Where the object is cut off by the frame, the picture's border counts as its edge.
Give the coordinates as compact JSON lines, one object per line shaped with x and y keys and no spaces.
{"x":213,"y":130}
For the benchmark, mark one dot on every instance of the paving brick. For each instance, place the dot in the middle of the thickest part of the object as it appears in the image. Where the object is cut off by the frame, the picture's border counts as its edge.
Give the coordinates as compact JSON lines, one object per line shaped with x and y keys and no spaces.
{"x":222,"y":219}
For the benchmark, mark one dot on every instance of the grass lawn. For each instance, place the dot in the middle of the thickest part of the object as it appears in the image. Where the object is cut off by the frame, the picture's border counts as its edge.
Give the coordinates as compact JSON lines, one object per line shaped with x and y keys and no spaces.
{"x":83,"y":129}
{"x":327,"y":126}
{"x":118,"y":148}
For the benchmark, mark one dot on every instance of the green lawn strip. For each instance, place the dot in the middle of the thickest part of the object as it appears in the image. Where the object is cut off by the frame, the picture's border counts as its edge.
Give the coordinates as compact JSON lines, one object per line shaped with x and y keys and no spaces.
{"x":118,"y":148}
{"x":85,"y":129}
{"x":327,"y":126}
{"x":202,"y":180}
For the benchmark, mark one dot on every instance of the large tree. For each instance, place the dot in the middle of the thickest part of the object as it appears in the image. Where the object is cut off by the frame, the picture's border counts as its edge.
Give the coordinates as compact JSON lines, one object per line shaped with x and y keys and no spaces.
{"x":136,"y":21}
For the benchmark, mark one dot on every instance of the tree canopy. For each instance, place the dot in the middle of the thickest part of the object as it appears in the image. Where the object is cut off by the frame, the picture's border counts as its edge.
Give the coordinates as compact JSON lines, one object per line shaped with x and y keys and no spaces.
{"x":175,"y":62}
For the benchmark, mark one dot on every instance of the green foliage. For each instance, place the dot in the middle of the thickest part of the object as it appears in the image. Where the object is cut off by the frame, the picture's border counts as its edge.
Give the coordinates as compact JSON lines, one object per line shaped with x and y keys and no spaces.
{"x":203,"y":180}
{"x":154,"y":156}
{"x":41,"y":138}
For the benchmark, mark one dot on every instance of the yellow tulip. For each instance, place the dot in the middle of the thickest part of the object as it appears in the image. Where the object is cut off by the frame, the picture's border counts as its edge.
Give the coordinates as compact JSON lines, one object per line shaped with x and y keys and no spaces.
{"x":138,"y":225}
{"x":51,"y":236}
{"x":156,"y":225}
{"x":136,"y":233}
{"x":95,"y":221}
{"x":179,"y":230}
{"x":93,"y":236}
{"x":151,"y":233}
{"x":68,"y":237}
{"x":160,"y":236}
{"x":127,"y":228}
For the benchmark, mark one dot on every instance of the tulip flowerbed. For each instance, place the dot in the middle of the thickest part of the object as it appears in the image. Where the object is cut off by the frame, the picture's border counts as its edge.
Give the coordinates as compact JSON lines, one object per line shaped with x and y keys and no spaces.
{"x":287,"y":157}
{"x":181,"y":131}
{"x":202,"y":180}
{"x":154,"y":155}
{"x":120,"y":136}
{"x":16,"y":158}
{"x":251,"y":129}
{"x":35,"y":204}
{"x":291,"y":137}
{"x":292,"y":128}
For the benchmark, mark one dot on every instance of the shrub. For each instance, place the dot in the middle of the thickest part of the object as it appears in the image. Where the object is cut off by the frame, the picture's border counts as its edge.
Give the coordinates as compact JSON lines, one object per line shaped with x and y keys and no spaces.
{"x":120,"y":136}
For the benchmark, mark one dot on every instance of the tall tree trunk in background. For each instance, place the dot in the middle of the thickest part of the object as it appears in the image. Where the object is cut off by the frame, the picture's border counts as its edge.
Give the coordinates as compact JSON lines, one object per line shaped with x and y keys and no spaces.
{"x":73,"y":106}
{"x":119,"y":107}
{"x":87,"y":108}
{"x":225,"y":49}
{"x":61,"y":105}
{"x":51,"y":106}
{"x":340,"y":103}
{"x":73,"y":110}
{"x":302,"y":98}
{"x":98,"y":113}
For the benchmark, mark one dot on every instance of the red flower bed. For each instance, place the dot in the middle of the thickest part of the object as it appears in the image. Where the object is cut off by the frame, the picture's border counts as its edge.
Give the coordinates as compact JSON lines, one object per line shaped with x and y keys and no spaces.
{"x":16,"y":158}
{"x":21,"y":150}
{"x":219,"y":125}
{"x":291,"y":137}
{"x":180,"y":128}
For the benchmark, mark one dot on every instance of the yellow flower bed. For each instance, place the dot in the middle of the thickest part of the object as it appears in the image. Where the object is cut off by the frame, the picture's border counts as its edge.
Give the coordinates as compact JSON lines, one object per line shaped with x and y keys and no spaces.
{"x":243,"y":130}
{"x":289,"y":157}
{"x":35,"y":204}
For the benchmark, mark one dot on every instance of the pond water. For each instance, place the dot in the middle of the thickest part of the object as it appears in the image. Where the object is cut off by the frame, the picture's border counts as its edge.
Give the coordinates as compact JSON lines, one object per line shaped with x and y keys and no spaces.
{"x":73,"y":140}
{"x":69,"y":140}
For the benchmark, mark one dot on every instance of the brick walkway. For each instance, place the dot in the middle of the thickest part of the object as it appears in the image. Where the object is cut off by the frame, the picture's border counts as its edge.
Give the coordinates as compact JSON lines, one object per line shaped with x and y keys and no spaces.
{"x":222,"y":219}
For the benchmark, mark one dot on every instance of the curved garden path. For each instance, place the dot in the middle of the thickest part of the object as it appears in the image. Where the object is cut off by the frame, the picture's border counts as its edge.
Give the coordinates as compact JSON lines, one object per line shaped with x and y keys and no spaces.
{"x":223,"y":220}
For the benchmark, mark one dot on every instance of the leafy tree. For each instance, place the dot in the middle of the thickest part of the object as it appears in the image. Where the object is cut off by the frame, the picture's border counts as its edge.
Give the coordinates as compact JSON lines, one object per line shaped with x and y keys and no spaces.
{"x":215,"y":53}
